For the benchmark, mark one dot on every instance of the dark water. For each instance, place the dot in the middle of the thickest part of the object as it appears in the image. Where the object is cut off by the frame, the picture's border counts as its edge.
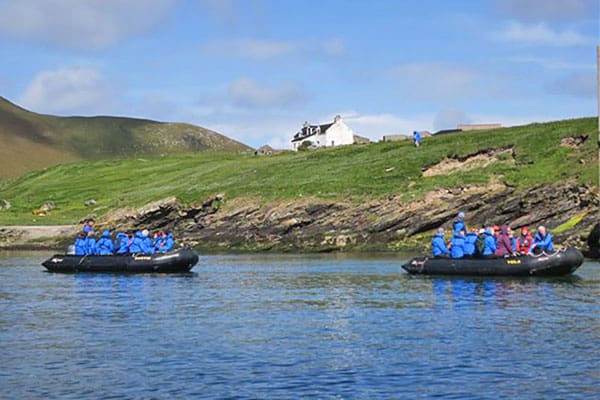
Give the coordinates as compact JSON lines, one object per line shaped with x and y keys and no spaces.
{"x":296,"y":327}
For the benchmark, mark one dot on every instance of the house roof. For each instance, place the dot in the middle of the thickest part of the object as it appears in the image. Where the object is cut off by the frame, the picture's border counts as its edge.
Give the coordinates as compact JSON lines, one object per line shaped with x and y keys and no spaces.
{"x":310,"y":130}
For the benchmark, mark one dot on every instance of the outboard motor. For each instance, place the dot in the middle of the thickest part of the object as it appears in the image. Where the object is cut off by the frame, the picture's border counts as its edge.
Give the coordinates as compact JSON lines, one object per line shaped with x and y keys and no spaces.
{"x":71,"y":250}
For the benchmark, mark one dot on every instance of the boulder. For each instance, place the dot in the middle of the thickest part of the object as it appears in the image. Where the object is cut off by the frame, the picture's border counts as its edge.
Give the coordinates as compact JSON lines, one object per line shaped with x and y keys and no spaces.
{"x":5,"y":205}
{"x":47,"y":206}
{"x":90,"y":202}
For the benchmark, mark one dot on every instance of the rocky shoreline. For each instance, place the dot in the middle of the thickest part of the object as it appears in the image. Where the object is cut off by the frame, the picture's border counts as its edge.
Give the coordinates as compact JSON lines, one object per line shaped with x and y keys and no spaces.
{"x":384,"y":224}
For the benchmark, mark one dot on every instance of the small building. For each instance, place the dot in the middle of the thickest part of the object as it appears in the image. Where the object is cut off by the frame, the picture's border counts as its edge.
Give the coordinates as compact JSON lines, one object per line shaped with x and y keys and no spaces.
{"x":333,"y":134}
{"x":395,"y":138}
{"x":476,"y":127}
{"x":361,"y":140}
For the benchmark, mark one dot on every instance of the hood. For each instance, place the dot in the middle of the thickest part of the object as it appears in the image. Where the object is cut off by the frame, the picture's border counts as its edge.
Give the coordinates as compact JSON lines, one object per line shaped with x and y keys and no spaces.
{"x":457,"y":235}
{"x":139,"y":234}
{"x":504,"y":229}
{"x":121,"y":235}
{"x":439,"y":235}
{"x":106,"y":234}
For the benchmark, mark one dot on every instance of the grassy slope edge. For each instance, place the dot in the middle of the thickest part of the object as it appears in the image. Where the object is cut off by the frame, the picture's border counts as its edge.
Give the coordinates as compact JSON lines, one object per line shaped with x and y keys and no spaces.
{"x":353,"y":172}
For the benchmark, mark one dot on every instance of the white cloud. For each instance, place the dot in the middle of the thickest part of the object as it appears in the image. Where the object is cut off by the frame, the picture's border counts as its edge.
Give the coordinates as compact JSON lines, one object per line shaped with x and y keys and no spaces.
{"x":449,"y":118}
{"x":544,"y":10}
{"x":576,"y":85}
{"x":375,"y":126}
{"x":69,"y":90}
{"x":548,"y":63}
{"x":541,"y":34}
{"x":436,"y":80}
{"x":268,"y":49}
{"x":248,"y":93}
{"x":89,"y":24}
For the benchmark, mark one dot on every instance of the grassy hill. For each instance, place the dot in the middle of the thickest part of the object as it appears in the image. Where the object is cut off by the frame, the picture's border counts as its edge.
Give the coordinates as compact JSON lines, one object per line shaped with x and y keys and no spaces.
{"x":527,"y":156}
{"x":33,"y":141}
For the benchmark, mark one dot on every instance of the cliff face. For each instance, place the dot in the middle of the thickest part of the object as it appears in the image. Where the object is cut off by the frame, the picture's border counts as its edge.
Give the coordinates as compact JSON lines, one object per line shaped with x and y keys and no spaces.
{"x":379,"y":225}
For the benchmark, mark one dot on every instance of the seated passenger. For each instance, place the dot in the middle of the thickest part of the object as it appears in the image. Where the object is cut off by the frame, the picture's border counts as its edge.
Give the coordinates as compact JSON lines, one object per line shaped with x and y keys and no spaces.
{"x":137,"y":245}
{"x":470,"y":240}
{"x":524,"y":241}
{"x":160,"y":241}
{"x":438,"y":244}
{"x":123,"y":243}
{"x":458,"y":244}
{"x":459,"y":224}
{"x":513,"y":241}
{"x":503,"y":244}
{"x":169,"y":242}
{"x":147,"y":246}
{"x":105,"y":246}
{"x":542,"y":242}
{"x":88,"y":225}
{"x":489,"y":243}
{"x":80,"y":244}
{"x":480,"y":242}
{"x":90,"y":244}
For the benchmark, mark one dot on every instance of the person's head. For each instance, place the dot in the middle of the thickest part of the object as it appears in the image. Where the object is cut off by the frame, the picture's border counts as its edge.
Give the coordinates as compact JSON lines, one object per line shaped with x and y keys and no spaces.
{"x":145,"y":232}
{"x":482,"y":230}
{"x":489,"y":229}
{"x":474,"y":230}
{"x":82,"y":235}
{"x":524,"y":230}
{"x":496,"y":229}
{"x":91,"y":222}
{"x":542,"y":230}
{"x":510,"y":232}
{"x":462,"y":232}
{"x":91,"y":234}
{"x":440,"y":231}
{"x":106,"y":233}
{"x":461,"y":215}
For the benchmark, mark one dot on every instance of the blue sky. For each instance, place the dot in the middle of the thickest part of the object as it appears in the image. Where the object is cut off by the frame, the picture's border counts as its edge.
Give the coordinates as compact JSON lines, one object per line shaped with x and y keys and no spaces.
{"x":255,"y":70}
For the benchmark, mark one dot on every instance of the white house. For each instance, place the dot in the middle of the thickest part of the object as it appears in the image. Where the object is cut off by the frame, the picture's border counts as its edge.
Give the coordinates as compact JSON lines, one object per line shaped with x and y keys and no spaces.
{"x":336,"y":133}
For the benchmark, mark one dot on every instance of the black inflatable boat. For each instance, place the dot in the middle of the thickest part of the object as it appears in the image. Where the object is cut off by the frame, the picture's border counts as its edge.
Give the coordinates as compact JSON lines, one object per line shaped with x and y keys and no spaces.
{"x":562,"y":262}
{"x":178,"y":261}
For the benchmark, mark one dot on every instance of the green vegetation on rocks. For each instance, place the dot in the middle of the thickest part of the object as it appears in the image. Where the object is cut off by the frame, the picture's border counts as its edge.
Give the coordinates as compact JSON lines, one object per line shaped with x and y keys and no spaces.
{"x":531,"y":155}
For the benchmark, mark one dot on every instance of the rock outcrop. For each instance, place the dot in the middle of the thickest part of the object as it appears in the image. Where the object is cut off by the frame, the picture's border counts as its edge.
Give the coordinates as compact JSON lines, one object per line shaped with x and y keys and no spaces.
{"x":389,"y":223}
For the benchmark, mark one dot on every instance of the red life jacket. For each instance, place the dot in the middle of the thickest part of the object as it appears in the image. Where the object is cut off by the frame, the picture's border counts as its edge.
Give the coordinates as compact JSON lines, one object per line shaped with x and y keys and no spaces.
{"x":524,"y":243}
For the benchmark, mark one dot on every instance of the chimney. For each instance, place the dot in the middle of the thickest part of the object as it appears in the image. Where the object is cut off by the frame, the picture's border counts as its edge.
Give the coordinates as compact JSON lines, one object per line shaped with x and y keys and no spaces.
{"x":337,"y":119}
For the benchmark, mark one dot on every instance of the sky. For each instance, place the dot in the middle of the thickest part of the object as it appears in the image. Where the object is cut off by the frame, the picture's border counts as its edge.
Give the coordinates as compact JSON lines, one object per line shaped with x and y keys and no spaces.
{"x":256,"y":70}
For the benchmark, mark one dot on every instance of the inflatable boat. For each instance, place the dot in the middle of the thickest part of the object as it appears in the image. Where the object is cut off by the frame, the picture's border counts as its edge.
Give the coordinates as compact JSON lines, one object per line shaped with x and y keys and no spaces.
{"x":562,"y":262}
{"x":178,"y":261}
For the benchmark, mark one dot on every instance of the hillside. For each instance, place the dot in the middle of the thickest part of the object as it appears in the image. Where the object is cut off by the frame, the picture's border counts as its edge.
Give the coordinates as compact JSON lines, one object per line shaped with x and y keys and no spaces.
{"x":369,"y":196}
{"x":33,"y":141}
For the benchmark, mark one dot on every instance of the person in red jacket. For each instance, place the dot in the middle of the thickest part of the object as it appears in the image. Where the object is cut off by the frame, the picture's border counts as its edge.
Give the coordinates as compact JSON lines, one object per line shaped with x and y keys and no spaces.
{"x":524,"y":241}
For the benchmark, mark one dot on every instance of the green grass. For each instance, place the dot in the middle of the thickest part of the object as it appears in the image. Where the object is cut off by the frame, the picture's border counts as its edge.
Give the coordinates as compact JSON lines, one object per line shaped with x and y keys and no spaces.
{"x":351,"y":173}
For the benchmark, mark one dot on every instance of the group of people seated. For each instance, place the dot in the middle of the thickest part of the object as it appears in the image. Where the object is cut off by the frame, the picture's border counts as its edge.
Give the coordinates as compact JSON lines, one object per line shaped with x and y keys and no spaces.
{"x":122,"y":243}
{"x":489,"y":241}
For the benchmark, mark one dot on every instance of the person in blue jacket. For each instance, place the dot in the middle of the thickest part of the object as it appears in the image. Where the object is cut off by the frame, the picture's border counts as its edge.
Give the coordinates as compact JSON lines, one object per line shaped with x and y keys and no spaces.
{"x":105,"y":245}
{"x":470,"y":240}
{"x":438,"y":244}
{"x":141,"y":243}
{"x":417,"y":138}
{"x":160,"y":240}
{"x":542,"y":241}
{"x":169,"y":242}
{"x":490,"y":243}
{"x":459,"y":224}
{"x":122,"y":239}
{"x":80,"y":244}
{"x":458,"y":244}
{"x":90,"y":244}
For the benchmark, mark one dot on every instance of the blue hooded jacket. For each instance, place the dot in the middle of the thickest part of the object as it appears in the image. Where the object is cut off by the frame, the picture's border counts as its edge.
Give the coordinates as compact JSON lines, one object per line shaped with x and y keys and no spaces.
{"x":417,"y":136}
{"x":458,"y":226}
{"x":159,"y":244}
{"x":543,"y":242}
{"x":90,"y":246}
{"x":490,"y":244}
{"x":438,"y":245}
{"x":105,"y":246}
{"x":123,"y":239}
{"x":169,"y":242}
{"x":80,"y":246}
{"x":470,"y":240}
{"x":458,"y":245}
{"x":141,"y":244}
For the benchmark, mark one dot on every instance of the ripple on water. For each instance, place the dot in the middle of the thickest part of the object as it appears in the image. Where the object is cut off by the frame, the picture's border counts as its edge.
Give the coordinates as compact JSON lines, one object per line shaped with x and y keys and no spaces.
{"x":293,"y":327}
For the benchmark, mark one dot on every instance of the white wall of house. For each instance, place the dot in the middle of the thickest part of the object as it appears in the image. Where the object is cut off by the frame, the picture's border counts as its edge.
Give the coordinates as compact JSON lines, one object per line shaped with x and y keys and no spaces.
{"x":338,"y":134}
